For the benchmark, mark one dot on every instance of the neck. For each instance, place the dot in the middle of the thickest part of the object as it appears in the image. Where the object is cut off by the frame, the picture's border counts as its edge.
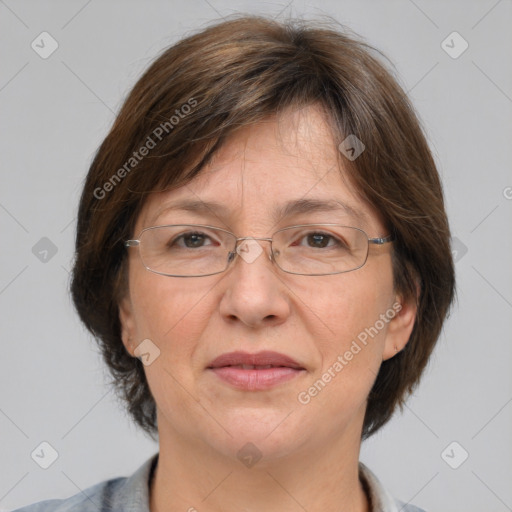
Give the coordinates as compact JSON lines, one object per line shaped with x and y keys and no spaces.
{"x":195,"y":478}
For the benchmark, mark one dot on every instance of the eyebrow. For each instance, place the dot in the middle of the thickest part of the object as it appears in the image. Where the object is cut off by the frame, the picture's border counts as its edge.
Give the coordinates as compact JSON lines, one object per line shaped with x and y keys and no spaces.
{"x":288,"y":209}
{"x":318,"y":205}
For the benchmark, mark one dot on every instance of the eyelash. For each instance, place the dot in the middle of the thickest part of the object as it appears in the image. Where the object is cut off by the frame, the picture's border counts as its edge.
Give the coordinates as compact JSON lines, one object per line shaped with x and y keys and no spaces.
{"x":337,"y":242}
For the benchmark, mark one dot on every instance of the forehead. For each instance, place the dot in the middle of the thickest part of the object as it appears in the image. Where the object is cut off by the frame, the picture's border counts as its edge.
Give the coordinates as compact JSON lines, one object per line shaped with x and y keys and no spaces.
{"x":282,"y":167}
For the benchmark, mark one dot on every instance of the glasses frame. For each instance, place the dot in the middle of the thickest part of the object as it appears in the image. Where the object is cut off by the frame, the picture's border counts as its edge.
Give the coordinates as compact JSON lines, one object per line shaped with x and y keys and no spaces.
{"x":232,"y":254}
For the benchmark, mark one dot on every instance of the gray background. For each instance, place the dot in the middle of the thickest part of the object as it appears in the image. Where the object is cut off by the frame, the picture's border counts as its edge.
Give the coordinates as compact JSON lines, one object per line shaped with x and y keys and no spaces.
{"x":56,"y":111}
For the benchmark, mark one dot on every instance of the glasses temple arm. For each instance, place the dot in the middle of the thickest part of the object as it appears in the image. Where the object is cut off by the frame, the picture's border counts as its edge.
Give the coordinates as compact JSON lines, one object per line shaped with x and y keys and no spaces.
{"x":382,"y":240}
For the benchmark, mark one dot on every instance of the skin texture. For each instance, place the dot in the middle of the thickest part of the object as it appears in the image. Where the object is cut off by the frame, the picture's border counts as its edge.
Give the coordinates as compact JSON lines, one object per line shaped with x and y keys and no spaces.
{"x":309,"y":452}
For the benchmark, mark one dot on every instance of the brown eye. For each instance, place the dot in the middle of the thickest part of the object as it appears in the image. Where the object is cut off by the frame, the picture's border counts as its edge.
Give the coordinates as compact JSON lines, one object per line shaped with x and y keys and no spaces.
{"x":190,"y":240}
{"x":194,"y":240}
{"x":318,"y":240}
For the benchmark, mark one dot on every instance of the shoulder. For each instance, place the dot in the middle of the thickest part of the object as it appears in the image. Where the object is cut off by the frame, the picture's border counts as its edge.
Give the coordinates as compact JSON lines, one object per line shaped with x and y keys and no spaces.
{"x":380,"y":499}
{"x":98,"y":498}
{"x":404,"y":507}
{"x":127,"y":494}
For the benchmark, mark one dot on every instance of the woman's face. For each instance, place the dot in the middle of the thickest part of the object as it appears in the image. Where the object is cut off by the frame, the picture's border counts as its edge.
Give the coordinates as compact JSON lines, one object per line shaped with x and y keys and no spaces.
{"x":337,"y":328}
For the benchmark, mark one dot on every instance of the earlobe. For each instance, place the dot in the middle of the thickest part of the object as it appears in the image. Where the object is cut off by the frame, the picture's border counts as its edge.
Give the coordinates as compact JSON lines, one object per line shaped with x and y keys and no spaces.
{"x":127,"y":324}
{"x":400,"y":327}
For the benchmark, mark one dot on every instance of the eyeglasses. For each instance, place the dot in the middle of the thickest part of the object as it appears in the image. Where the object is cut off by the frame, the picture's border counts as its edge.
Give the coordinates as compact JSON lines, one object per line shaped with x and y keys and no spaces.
{"x":195,"y":250}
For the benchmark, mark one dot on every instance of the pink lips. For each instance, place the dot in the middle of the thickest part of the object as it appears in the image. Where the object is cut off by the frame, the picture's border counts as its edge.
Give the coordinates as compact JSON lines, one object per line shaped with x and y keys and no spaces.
{"x":255,"y":372}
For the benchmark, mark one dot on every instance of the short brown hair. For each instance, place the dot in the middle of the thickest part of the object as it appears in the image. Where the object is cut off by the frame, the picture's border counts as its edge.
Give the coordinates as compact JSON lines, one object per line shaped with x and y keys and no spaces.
{"x":232,"y":74}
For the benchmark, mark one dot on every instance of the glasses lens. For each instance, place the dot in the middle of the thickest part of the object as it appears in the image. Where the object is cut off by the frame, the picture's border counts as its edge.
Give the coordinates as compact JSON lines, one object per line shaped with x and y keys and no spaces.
{"x":186,"y":250}
{"x":320,"y":249}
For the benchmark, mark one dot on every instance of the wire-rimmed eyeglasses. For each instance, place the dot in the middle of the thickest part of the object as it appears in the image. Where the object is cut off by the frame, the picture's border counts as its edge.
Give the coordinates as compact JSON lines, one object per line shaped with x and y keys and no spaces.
{"x":196,"y":250}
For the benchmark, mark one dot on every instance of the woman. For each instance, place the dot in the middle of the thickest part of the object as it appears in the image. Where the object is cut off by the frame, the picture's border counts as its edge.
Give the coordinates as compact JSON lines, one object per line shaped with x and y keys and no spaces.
{"x":263,"y":255}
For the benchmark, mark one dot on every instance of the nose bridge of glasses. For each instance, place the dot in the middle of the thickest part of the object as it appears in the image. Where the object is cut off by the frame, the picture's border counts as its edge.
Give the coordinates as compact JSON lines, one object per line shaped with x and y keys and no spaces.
{"x":241,"y":238}
{"x":249,"y":249}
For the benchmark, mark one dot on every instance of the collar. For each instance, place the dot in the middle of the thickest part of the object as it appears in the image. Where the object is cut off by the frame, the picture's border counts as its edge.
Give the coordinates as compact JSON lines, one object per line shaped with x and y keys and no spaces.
{"x":380,"y":499}
{"x":136,"y":489}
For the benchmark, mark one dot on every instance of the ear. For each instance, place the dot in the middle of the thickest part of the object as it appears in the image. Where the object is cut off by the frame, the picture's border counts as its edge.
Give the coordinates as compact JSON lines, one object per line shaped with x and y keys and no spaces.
{"x":400,"y":326}
{"x":127,"y":319}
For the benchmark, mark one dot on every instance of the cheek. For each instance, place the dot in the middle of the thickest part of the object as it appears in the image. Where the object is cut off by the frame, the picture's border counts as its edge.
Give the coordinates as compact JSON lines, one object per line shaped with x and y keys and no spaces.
{"x":344,"y":305}
{"x":351,"y":331}
{"x":173,"y":314}
{"x":350,"y":362}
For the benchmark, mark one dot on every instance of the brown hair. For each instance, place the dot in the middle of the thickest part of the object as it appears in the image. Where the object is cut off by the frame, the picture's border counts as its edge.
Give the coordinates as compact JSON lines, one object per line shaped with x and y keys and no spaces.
{"x":238,"y":72}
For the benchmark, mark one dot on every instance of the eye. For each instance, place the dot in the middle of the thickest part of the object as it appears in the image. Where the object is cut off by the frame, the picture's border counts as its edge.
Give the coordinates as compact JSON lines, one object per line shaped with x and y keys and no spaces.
{"x":319,"y":240}
{"x":190,"y":240}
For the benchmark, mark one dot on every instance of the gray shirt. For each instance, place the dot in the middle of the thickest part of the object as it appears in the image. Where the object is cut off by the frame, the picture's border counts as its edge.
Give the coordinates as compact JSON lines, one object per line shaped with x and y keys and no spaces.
{"x":131,"y":494}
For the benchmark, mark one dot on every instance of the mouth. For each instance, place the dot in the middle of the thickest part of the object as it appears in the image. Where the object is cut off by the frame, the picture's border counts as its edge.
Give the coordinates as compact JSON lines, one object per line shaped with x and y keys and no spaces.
{"x":255,"y":372}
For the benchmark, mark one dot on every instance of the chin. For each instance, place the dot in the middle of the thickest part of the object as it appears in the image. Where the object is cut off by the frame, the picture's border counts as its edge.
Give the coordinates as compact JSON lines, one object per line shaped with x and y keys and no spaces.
{"x":264,"y":434}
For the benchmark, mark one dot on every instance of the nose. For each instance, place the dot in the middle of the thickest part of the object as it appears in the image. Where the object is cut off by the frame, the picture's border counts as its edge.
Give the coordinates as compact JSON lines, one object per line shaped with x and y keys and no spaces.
{"x":254,"y":294}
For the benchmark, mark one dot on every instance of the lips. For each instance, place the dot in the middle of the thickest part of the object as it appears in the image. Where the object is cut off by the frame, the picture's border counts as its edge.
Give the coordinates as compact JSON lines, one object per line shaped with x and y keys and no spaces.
{"x":255,"y":372}
{"x":260,"y":360}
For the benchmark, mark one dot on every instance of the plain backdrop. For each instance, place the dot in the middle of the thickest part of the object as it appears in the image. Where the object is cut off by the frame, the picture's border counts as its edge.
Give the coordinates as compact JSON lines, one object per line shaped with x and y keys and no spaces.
{"x":55,"y":111}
